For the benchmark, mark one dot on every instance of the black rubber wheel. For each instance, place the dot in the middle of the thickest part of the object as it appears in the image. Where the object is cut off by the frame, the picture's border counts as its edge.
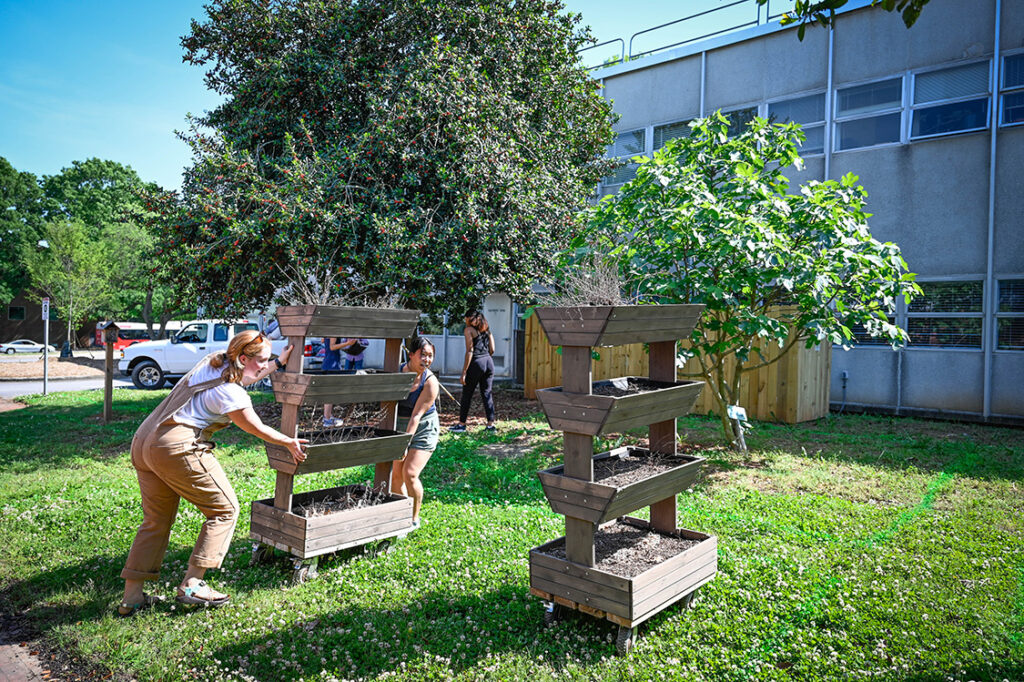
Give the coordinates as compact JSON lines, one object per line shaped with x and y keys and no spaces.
{"x":689,"y":599}
{"x":300,"y":575}
{"x":9,"y":351}
{"x":147,"y":376}
{"x":624,"y":642}
{"x":261,"y":554}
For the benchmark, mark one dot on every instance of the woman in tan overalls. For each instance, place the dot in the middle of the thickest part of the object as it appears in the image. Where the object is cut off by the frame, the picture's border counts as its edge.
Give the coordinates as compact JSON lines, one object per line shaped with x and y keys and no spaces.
{"x":172,"y":455}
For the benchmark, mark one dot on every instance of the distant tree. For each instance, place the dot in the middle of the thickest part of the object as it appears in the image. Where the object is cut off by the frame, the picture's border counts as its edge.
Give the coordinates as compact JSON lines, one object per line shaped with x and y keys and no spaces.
{"x":425,"y":149}
{"x":96,"y":192}
{"x":710,"y":220}
{"x":823,"y":12}
{"x":20,"y":219}
{"x":71,"y":269}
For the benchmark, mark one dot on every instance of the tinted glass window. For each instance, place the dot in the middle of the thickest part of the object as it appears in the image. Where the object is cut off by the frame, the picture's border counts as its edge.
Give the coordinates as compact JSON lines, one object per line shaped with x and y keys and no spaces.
{"x":220,"y":332}
{"x":193,"y":333}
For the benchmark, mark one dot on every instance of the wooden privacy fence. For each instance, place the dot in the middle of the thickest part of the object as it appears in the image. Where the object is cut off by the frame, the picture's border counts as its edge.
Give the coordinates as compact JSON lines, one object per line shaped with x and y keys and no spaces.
{"x":793,"y":389}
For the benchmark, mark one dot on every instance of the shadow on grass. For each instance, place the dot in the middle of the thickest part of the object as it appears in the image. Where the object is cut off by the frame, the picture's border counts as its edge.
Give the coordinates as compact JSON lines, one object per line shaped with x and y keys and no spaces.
{"x":456,"y":632}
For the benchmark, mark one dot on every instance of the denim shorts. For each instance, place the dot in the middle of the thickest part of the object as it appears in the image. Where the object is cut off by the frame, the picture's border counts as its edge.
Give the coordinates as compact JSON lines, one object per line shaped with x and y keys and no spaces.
{"x":426,"y":434}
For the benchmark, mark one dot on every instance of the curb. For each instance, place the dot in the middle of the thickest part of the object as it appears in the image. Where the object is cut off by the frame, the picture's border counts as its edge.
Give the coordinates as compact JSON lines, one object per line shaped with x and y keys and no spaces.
{"x":51,"y":378}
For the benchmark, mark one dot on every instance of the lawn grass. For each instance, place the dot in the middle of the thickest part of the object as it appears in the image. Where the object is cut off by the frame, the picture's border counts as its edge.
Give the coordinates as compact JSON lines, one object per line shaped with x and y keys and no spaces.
{"x":851,"y":548}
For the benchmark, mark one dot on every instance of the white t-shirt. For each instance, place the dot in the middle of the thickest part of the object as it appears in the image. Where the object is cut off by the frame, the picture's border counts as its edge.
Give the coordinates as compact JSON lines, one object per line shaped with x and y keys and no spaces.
{"x":211,"y":406}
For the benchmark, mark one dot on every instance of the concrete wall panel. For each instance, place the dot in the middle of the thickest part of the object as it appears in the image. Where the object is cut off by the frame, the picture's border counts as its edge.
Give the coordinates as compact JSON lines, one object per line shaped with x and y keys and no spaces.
{"x":872,"y":375}
{"x":1008,"y":384}
{"x":814,"y":169}
{"x":930,"y":197}
{"x":767,"y":68}
{"x":667,"y":92}
{"x":943,"y":380}
{"x":1011,"y":35}
{"x":872,"y":43}
{"x":1009,"y":237}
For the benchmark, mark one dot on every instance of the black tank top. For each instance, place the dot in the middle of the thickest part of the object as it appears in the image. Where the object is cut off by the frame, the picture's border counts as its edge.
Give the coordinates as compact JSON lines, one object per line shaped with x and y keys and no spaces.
{"x":405,"y":407}
{"x":482,"y":344}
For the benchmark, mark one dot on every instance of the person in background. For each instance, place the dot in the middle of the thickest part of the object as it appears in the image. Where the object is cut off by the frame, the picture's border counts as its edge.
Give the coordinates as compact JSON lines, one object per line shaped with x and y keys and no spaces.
{"x":332,"y":365}
{"x":173,"y":459}
{"x":478,"y":370}
{"x":355,"y":351}
{"x":417,"y":414}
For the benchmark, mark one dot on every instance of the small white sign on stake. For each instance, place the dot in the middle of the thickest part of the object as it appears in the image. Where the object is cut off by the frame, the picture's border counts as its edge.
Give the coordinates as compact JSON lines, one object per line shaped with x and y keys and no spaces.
{"x":46,"y":309}
{"x":736,"y":412}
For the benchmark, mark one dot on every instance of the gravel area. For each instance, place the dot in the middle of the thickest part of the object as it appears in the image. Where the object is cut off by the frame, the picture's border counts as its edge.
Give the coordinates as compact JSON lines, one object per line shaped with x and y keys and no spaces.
{"x":59,"y":369}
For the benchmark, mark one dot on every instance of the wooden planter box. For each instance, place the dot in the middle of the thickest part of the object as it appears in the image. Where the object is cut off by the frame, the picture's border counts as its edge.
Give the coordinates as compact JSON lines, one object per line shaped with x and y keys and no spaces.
{"x":626,"y":601}
{"x":348,"y":322}
{"x":597,"y":502}
{"x":368,"y":386}
{"x":617,"y":325}
{"x":385,"y":446}
{"x":593,"y":415}
{"x":309,"y":537}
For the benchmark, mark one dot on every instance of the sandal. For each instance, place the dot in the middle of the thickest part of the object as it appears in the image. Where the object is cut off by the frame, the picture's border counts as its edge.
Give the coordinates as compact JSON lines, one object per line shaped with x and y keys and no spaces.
{"x":190,"y":596}
{"x":147,"y":601}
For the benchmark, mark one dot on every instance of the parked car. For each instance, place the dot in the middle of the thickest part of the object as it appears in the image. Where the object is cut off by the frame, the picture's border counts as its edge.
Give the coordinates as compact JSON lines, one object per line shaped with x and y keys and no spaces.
{"x":23,"y":346}
{"x":151,"y":363}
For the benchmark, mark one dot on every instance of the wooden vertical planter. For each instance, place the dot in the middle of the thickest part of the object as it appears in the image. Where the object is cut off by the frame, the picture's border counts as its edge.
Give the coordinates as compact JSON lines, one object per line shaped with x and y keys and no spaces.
{"x":273,"y":522}
{"x":574,"y":578}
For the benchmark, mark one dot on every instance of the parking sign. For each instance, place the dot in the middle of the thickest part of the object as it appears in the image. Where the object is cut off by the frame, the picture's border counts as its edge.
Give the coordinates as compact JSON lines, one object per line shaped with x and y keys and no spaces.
{"x":46,"y":309}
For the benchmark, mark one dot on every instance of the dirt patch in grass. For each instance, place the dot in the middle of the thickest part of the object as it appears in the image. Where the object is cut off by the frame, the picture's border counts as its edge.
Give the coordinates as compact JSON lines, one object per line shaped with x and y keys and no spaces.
{"x":8,"y":405}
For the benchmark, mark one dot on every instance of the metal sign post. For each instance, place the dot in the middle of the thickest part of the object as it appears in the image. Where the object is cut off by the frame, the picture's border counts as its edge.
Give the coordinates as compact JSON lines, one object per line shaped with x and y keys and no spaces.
{"x":46,"y":344}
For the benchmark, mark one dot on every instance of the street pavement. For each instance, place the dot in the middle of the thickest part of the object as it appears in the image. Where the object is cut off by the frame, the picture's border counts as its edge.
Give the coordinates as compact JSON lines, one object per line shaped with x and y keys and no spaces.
{"x":14,"y":389}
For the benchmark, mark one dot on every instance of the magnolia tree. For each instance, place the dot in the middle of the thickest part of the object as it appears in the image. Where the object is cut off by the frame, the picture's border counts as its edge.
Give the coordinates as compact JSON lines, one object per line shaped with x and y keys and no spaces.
{"x":424,"y":150}
{"x":711,"y":219}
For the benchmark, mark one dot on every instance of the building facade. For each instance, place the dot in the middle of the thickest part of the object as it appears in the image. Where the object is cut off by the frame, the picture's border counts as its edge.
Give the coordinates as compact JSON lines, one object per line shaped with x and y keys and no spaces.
{"x":931,"y":119}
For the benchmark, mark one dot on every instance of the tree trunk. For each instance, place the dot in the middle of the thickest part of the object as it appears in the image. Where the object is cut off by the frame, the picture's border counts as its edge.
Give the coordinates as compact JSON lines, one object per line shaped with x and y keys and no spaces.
{"x":147,"y":313}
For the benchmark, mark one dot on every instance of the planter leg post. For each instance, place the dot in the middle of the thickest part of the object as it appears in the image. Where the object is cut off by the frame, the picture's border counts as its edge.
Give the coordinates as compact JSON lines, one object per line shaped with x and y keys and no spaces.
{"x":392,"y":363}
{"x":663,"y":434}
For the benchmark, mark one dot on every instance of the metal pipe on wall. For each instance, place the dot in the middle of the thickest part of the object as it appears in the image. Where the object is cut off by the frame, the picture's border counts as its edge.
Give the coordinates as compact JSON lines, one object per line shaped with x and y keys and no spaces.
{"x":990,"y":331}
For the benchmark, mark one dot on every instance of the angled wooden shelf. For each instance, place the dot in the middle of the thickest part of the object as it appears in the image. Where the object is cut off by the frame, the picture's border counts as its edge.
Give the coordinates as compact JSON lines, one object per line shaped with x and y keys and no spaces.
{"x":597,"y":502}
{"x":617,"y":325}
{"x":385,"y":446}
{"x":354,"y":386}
{"x":594,"y":415}
{"x":348,"y":322}
{"x":623,"y":600}
{"x":306,"y":537}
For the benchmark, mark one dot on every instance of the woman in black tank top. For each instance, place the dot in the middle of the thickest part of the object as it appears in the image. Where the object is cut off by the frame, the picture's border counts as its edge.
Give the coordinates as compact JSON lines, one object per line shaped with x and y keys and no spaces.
{"x":478,"y":369}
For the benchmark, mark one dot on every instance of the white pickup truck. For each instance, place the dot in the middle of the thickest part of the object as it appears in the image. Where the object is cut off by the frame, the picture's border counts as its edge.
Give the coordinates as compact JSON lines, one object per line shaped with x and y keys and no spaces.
{"x":150,"y":363}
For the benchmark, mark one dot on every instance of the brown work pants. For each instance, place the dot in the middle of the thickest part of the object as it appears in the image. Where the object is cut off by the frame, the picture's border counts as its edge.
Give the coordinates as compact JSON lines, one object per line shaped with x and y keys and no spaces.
{"x":179,"y":464}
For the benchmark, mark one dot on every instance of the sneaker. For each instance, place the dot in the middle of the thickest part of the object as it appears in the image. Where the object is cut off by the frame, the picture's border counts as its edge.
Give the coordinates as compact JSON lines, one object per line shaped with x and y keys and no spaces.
{"x":458,"y":428}
{"x":416,"y":524}
{"x":492,"y":428}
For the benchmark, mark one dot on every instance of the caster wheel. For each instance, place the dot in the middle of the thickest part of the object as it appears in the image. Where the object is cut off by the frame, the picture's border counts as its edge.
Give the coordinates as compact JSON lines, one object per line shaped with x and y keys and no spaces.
{"x":553,"y":614}
{"x":261,"y":554}
{"x":382,"y":547}
{"x":624,"y":642}
{"x":303,"y":571}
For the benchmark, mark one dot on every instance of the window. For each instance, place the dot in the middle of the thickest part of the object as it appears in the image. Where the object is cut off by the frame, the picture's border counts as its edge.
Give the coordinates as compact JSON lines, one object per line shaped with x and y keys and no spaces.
{"x":948,"y":315}
{"x":1010,"y":315}
{"x":193,"y":333}
{"x":868,"y":115}
{"x":220,"y":332}
{"x":245,"y":326}
{"x":1013,"y":90}
{"x":16,"y":312}
{"x":670,"y":131}
{"x":739,"y":118}
{"x":626,"y":146}
{"x":809,"y":112}
{"x":861,"y":336}
{"x":950,"y":100}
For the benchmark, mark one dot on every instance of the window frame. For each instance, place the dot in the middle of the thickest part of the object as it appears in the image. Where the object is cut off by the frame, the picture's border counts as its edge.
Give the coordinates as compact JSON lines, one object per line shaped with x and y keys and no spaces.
{"x":823,"y":124}
{"x":998,"y":315}
{"x":24,"y":313}
{"x":838,"y":120}
{"x":654,"y":127}
{"x":1004,"y":90}
{"x":625,"y":159}
{"x":758,"y":108}
{"x":909,"y":315}
{"x":914,"y":108}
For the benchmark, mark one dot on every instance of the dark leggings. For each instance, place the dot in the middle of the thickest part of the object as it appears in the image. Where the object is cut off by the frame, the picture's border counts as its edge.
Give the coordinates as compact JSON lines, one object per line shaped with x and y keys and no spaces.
{"x":481,"y":371}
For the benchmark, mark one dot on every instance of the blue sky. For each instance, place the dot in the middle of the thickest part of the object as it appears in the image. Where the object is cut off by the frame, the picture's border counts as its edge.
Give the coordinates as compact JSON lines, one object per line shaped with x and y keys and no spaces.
{"x":104,"y":78}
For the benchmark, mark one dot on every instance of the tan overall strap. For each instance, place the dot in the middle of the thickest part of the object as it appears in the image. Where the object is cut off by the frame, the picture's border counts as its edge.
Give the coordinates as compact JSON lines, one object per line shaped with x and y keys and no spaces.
{"x":175,"y":400}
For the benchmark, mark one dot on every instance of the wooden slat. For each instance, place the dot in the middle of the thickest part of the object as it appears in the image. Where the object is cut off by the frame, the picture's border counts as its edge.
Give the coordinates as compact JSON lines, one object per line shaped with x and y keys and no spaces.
{"x":670,"y":594}
{"x":341,"y":521}
{"x":575,"y":595}
{"x":358,"y":534}
{"x":697,"y":558}
{"x":591,"y":587}
{"x":579,"y":541}
{"x":392,"y":363}
{"x":539,"y":557}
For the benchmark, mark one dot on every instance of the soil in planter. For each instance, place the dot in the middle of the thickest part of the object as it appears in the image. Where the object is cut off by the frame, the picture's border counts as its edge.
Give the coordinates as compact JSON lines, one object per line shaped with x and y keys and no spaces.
{"x":628,"y":551}
{"x":634,"y":385}
{"x":311,"y":416}
{"x":352,"y":497}
{"x":626,"y":469}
